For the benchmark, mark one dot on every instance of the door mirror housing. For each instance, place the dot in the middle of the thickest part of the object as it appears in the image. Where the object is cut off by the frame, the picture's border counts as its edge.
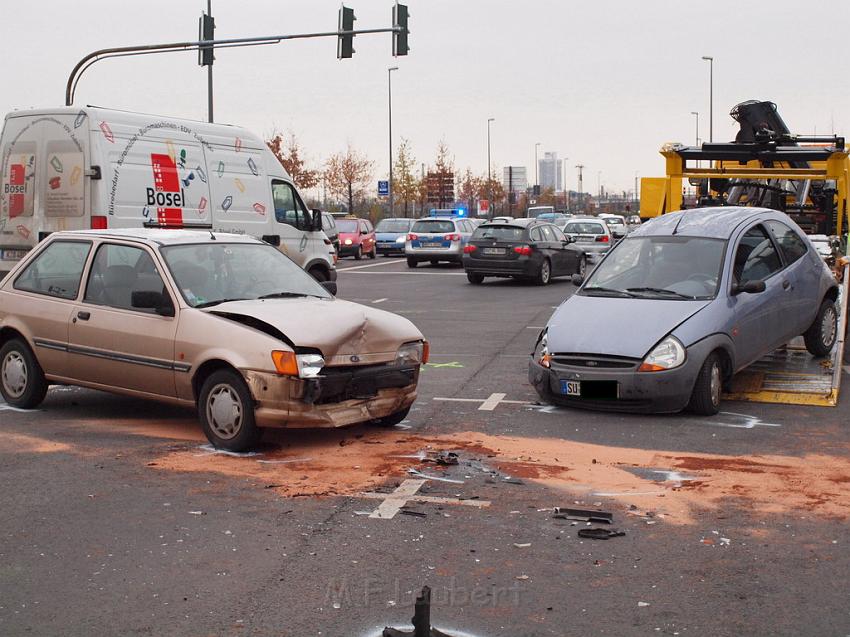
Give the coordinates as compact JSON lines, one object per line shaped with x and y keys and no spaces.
{"x":577,"y":279}
{"x":317,"y":219}
{"x":272,"y":239}
{"x":156,"y":301}
{"x":748,"y":287}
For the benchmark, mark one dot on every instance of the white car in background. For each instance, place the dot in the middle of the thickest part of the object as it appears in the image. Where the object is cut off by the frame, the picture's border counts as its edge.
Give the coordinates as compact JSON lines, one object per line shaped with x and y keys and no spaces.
{"x":617,"y":225}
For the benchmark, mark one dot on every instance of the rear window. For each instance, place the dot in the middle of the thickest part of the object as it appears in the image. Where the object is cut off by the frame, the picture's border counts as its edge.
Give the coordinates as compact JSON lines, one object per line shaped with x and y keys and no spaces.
{"x":393,"y":225}
{"x":347,"y":225}
{"x":433,"y":225}
{"x":584,"y":228}
{"x":504,"y":233}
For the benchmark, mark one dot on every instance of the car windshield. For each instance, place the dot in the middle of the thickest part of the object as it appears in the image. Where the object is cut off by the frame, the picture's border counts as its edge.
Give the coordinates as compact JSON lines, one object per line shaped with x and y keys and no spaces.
{"x":433,"y":225}
{"x":212,"y":273}
{"x":677,"y":268}
{"x":346,"y":225}
{"x":505,"y":233}
{"x":584,"y":228}
{"x":393,"y":225}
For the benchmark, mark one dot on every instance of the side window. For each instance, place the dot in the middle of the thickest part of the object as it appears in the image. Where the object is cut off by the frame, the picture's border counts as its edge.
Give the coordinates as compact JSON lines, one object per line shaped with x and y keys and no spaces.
{"x":288,"y":208}
{"x":364,"y":227}
{"x":535,"y":234}
{"x":756,"y":258}
{"x":57,"y":270}
{"x":547,"y":234}
{"x":790,"y":243}
{"x":119,"y":270}
{"x":556,"y":231}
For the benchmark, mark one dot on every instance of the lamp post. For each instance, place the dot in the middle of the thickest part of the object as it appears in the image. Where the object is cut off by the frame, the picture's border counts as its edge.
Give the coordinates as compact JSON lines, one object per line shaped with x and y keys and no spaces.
{"x":564,"y":185}
{"x":696,"y":117}
{"x":536,"y":146}
{"x":489,"y":176}
{"x":710,"y":96}
{"x":390,"y":118}
{"x":580,"y":186}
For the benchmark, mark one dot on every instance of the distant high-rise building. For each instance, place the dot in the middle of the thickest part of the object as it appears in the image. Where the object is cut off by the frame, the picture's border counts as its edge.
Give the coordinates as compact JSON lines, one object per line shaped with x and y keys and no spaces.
{"x":551,"y":171}
{"x":514,"y":179}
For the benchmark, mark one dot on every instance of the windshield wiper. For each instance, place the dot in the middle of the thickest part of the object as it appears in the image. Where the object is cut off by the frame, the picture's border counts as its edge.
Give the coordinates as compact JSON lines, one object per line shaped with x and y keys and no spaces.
{"x":607,"y":291}
{"x":285,"y":295}
{"x":663,"y":291}
{"x":211,"y":303}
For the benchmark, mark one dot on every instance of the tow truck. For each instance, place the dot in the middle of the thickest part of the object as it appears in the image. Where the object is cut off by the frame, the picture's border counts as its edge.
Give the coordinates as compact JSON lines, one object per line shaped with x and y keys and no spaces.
{"x":805,"y":176}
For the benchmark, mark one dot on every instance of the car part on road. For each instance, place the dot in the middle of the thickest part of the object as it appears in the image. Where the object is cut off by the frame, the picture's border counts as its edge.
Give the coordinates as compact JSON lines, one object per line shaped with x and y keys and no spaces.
{"x":600,"y":534}
{"x":421,"y":619}
{"x":585,"y":515}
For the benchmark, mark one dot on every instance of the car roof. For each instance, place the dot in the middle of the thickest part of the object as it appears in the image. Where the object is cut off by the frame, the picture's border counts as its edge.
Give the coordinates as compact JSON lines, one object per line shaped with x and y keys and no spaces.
{"x":715,"y":223}
{"x":159,"y":236}
{"x":583,"y":219}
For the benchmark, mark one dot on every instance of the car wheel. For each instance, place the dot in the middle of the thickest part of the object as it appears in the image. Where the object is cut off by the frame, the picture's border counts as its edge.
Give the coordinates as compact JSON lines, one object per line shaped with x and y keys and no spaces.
{"x":359,"y":254}
{"x":226,"y":412}
{"x":435,"y":262}
{"x":544,"y":274}
{"x":374,"y":253}
{"x":393,"y":419}
{"x":705,"y":398}
{"x":820,"y":337}
{"x":475,"y":279}
{"x":318,"y":274}
{"x":411,"y":262}
{"x":22,"y":381}
{"x":582,"y":266}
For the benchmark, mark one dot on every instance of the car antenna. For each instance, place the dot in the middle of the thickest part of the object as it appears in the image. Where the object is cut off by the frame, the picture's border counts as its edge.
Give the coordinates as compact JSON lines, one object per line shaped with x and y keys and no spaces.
{"x":678,"y":222}
{"x":212,"y":236}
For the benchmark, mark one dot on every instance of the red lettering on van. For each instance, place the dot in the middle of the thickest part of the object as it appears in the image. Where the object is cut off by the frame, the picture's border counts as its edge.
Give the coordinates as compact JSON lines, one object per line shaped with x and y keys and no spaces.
{"x":16,"y":190}
{"x":167,"y":190}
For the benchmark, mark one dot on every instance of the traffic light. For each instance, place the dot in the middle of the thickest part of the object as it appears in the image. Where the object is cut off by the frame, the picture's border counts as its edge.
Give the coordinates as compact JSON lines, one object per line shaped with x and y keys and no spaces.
{"x":345,"y":43}
{"x":400,"y":16}
{"x":206,"y":31}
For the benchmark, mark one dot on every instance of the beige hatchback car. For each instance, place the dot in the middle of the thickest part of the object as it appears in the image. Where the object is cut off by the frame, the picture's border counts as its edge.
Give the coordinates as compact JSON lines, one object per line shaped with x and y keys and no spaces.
{"x":222,"y":322}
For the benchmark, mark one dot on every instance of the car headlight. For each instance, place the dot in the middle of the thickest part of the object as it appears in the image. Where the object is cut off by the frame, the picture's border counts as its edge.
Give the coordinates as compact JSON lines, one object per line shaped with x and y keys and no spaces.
{"x":412,"y":353}
{"x":541,"y":350}
{"x":668,"y":354}
{"x":400,"y":239}
{"x":302,"y":365}
{"x":348,"y":242}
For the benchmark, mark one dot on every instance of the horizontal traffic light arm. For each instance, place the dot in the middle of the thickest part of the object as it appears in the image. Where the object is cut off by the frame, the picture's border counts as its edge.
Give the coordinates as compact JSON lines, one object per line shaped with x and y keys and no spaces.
{"x":146,"y":49}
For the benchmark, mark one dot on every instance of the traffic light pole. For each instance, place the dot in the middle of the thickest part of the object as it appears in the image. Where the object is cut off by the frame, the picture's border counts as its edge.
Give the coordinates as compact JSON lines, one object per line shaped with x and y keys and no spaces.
{"x":209,"y":74}
{"x":147,"y":49}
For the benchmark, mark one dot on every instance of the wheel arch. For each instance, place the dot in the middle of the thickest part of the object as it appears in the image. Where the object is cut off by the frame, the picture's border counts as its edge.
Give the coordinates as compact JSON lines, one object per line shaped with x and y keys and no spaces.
{"x":205,"y":370}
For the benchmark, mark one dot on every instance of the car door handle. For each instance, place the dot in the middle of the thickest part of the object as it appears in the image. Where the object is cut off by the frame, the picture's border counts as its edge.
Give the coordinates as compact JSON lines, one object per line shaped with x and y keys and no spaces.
{"x":786,"y":284}
{"x":84,"y":316}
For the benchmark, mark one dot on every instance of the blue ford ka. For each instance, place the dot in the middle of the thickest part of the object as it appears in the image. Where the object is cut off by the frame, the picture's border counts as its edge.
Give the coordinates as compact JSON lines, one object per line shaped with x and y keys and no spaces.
{"x":679,"y":306}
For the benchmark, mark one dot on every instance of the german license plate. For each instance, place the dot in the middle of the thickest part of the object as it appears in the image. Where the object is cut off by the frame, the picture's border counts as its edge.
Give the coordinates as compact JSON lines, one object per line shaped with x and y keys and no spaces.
{"x":494,"y":251}
{"x":585,"y":239}
{"x":432,"y":244}
{"x":12,"y":255}
{"x":571,"y":387}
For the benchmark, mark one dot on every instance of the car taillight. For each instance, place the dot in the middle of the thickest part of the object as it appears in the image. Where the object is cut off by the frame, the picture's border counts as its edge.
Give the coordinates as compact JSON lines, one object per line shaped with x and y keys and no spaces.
{"x":603,"y":238}
{"x":452,"y":237}
{"x":98,"y":222}
{"x":469,"y":249}
{"x":523,"y":250}
{"x":412,"y":237}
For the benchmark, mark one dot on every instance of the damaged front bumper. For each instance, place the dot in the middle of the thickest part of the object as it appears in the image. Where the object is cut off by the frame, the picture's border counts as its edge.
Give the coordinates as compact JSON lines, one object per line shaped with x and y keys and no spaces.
{"x":340,"y":396}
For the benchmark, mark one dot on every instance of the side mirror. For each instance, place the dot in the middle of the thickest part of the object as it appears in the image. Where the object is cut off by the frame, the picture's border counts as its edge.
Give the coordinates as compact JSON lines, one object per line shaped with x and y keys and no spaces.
{"x":317,"y":219}
{"x":272,"y":239}
{"x":330,"y":286}
{"x":750,"y":287}
{"x":577,"y":279}
{"x":156,"y":301}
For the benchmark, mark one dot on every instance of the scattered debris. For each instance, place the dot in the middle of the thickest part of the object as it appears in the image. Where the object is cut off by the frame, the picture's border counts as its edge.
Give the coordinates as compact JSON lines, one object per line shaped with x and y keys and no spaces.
{"x":583,"y":514}
{"x":284,"y":461}
{"x":600,"y":534}
{"x":210,"y":450}
{"x":524,"y":545}
{"x":196,"y":513}
{"x":419,"y":474}
{"x":416,"y":514}
{"x":521,"y":577}
{"x":643,"y":604}
{"x":421,"y":619}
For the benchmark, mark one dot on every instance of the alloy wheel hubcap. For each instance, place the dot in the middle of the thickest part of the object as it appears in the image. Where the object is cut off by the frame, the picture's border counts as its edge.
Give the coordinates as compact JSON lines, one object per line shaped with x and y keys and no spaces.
{"x":828,"y":327}
{"x":544,"y":271}
{"x":224,"y":411}
{"x":582,"y":266}
{"x":715,"y":384}
{"x":14,"y":374}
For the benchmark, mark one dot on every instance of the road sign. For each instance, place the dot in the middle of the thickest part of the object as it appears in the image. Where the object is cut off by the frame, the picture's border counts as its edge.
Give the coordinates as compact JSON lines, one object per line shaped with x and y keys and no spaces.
{"x":383,"y":188}
{"x":483,"y":207}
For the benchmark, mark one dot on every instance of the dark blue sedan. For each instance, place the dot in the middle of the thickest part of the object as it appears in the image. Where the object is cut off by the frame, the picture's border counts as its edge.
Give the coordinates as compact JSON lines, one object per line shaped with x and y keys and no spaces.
{"x":679,"y":306}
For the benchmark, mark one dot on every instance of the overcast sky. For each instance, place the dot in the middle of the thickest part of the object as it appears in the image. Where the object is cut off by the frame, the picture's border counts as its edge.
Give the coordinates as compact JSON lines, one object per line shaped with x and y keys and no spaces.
{"x":603,"y":83}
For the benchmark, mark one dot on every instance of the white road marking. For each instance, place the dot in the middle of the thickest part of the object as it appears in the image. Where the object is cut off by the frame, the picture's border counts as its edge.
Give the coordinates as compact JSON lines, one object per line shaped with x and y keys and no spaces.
{"x":492,"y":402}
{"x":379,"y":300}
{"x":370,"y":265}
{"x":487,"y":404}
{"x":407,"y":492}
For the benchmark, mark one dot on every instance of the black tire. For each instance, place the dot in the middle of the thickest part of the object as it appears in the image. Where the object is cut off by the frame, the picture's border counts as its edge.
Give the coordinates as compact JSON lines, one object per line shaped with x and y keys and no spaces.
{"x":240,"y":435}
{"x":22,"y":381}
{"x":705,"y":397}
{"x":318,"y":274}
{"x":821,"y":336}
{"x":374,"y":253}
{"x":475,"y":279}
{"x":544,"y":275}
{"x":393,"y":419}
{"x":359,"y":254}
{"x":411,"y":262}
{"x":435,"y":262}
{"x":582,"y":266}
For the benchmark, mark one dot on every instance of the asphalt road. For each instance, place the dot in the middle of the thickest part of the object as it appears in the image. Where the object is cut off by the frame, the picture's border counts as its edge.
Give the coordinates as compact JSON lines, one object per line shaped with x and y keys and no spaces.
{"x":115,"y":520}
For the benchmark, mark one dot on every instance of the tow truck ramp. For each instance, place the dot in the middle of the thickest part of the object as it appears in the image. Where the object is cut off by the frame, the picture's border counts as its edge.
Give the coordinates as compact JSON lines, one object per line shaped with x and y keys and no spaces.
{"x":792,"y":376}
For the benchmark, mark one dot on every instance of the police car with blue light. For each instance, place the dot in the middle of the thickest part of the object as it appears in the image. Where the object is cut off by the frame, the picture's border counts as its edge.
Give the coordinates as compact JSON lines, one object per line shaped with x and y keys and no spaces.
{"x":439,"y":237}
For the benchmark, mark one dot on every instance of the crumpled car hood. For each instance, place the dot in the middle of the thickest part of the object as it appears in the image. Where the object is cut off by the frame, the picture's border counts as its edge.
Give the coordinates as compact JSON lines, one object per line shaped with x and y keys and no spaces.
{"x":615,"y":326}
{"x":334,"y":326}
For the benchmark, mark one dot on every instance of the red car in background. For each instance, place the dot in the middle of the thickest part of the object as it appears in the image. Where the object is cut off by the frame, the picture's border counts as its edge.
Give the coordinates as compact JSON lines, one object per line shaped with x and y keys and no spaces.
{"x":356,"y":237}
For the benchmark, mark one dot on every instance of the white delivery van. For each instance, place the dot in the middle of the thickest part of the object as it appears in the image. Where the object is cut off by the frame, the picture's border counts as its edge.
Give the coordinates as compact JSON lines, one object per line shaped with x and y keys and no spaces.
{"x":72,"y":168}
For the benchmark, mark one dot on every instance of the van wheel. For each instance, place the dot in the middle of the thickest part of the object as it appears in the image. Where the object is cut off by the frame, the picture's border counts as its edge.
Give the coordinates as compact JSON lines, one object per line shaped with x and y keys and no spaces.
{"x":820,"y":337}
{"x":705,"y":398}
{"x":475,"y":279}
{"x":22,"y":381}
{"x":411,"y":262}
{"x":392,"y":419}
{"x":226,"y":412}
{"x":318,"y":274}
{"x":359,"y":254}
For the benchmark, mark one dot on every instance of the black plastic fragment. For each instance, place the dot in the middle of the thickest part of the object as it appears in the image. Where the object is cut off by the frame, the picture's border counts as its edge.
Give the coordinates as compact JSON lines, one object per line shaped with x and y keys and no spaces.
{"x":586,"y":515}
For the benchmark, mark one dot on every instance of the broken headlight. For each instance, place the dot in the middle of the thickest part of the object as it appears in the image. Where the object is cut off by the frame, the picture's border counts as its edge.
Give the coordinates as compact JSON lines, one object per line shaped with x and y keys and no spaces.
{"x":302,"y":365}
{"x":541,"y":354}
{"x":412,"y":354}
{"x":668,"y":354}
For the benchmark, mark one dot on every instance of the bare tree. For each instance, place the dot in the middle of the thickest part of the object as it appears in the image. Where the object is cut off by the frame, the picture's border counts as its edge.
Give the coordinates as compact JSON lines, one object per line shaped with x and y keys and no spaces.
{"x":348,"y":175}
{"x":288,"y":153}
{"x":469,"y":189}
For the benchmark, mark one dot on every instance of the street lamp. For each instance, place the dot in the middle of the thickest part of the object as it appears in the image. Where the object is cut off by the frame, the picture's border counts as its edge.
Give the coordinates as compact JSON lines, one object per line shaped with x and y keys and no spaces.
{"x":564,"y":185}
{"x":390,"y":118}
{"x":536,"y":146}
{"x":489,"y":176}
{"x":710,"y":96}
{"x":696,"y":116}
